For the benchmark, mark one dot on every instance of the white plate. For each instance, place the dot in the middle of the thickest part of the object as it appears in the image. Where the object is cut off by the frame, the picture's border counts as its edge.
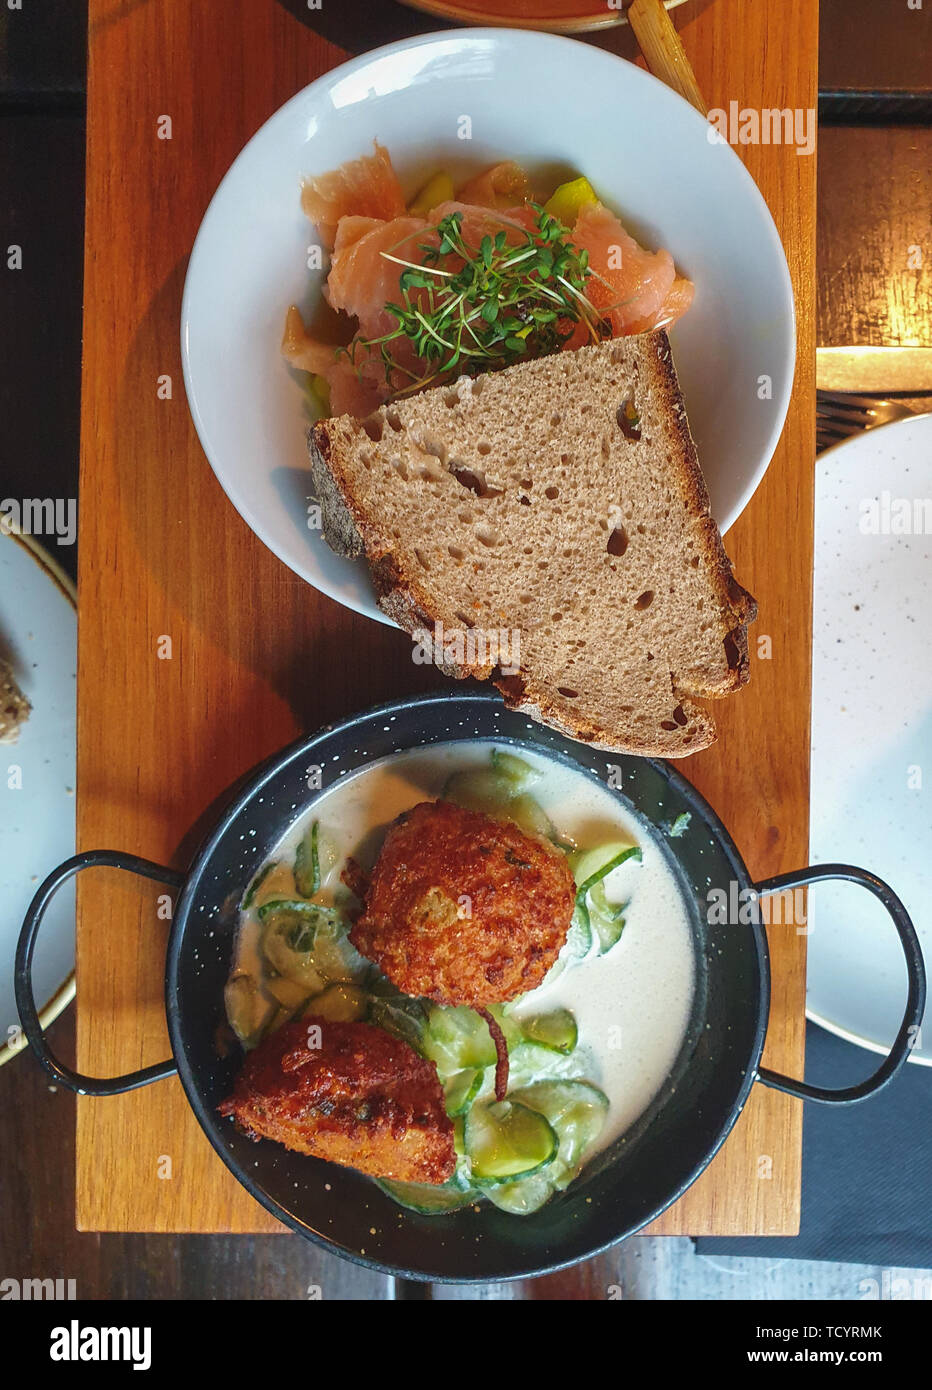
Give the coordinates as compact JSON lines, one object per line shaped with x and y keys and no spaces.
{"x":38,"y":636}
{"x":871,"y":724}
{"x":553,"y":104}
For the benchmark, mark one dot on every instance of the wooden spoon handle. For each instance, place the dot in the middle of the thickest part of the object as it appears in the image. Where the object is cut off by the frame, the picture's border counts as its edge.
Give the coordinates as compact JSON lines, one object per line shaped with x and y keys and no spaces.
{"x":663,"y":49}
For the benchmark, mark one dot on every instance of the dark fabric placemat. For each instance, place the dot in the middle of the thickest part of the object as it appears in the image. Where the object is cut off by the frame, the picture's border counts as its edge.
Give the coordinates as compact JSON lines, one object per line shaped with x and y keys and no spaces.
{"x":43,"y":54}
{"x":867,"y":1169}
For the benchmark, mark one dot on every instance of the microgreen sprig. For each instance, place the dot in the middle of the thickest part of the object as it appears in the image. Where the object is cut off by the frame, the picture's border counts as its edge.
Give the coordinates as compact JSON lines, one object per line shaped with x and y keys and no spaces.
{"x":470,"y":308}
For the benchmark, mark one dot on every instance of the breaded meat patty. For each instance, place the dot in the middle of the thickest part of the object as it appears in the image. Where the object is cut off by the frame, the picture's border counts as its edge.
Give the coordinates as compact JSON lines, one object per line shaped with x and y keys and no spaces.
{"x":350,"y":1093}
{"x":464,"y":909}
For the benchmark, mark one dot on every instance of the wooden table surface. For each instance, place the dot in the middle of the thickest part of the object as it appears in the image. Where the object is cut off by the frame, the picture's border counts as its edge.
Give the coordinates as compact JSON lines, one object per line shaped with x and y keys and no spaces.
{"x":257,"y":656}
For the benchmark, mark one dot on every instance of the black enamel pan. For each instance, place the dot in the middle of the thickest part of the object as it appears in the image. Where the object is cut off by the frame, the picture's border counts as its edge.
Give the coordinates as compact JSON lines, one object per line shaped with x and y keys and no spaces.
{"x":625,"y":1187}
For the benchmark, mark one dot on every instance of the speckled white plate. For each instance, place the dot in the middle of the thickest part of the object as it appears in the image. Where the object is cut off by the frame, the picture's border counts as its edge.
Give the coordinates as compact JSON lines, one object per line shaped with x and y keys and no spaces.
{"x":871,"y":724}
{"x":38,"y":636}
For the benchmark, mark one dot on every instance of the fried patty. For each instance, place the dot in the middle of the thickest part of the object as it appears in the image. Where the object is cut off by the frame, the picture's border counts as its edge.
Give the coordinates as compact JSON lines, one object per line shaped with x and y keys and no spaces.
{"x":350,"y":1093}
{"x":464,"y":909}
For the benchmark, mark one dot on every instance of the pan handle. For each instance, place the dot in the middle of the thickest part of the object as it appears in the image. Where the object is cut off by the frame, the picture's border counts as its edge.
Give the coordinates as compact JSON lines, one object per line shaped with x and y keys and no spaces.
{"x":915,"y":999}
{"x":25,"y":998}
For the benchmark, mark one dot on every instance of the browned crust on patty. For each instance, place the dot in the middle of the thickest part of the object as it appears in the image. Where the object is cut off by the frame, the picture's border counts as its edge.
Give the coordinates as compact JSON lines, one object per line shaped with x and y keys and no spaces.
{"x":463,"y":908}
{"x":349,"y":1093}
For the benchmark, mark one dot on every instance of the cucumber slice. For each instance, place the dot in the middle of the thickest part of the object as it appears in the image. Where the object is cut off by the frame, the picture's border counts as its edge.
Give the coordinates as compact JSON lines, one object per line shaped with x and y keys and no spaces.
{"x":590,"y":866}
{"x":307,"y":864}
{"x":578,"y":942}
{"x":557,"y":1031}
{"x":530,"y":817}
{"x":310,"y":913}
{"x":496,"y":793}
{"x":423,"y":1197}
{"x":506,"y":1139}
{"x":576,"y":1110}
{"x":511,"y":1027}
{"x":289,"y":938}
{"x":527,"y":1063}
{"x":289,"y":993}
{"x":461,"y":1090}
{"x":339,"y":1003}
{"x":598,"y":902}
{"x":607,"y":919}
{"x":249,"y":896}
{"x":335,"y":956}
{"x":514,"y":769}
{"x":479,"y":789}
{"x":457,"y":1038}
{"x":402,"y":1017}
{"x":592,"y":916}
{"x":273,"y":883}
{"x":248,"y":1011}
{"x":524,"y":1196}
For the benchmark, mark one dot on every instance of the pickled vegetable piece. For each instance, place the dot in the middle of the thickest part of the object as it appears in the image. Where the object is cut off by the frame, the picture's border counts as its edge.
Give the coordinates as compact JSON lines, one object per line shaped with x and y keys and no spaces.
{"x":524,"y":1196}
{"x":590,"y":866}
{"x":566,"y":200}
{"x":461,"y":1089}
{"x":289,"y":993}
{"x":456,"y":1039}
{"x":530,"y":816}
{"x":494,"y":791}
{"x":607,"y":919}
{"x":318,"y":389}
{"x":514,"y":769}
{"x":289,"y":937}
{"x":507,"y":1139}
{"x":576,"y":1110}
{"x":423,"y":1197}
{"x":335,"y":956}
{"x":401,"y":1016}
{"x":249,"y":896}
{"x":307,"y":863}
{"x":479,"y":789}
{"x":438,"y":189}
{"x":556,"y":1031}
{"x":247,"y":1009}
{"x":342,"y":1003}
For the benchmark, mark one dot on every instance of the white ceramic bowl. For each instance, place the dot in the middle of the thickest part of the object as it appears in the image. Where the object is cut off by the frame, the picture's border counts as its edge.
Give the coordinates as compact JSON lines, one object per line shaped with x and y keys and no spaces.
{"x":553,"y":104}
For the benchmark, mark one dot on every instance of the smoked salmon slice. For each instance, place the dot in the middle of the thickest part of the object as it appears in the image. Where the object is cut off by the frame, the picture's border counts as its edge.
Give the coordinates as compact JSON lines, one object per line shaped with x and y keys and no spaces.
{"x":629,"y":284}
{"x":366,"y":187}
{"x":505,"y":185}
{"x":359,"y":213}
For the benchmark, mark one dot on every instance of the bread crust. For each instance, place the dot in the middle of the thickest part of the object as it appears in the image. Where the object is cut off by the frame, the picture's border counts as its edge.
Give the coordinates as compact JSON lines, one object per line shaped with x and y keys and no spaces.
{"x":742,"y":604}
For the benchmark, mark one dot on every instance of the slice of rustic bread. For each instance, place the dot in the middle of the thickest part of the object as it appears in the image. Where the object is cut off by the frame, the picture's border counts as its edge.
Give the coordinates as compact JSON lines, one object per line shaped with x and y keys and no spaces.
{"x":14,"y":707}
{"x":547,"y":527}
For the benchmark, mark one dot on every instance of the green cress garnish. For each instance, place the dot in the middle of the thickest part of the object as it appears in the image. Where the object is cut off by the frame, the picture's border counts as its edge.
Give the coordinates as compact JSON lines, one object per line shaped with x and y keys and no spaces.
{"x":507,"y":302}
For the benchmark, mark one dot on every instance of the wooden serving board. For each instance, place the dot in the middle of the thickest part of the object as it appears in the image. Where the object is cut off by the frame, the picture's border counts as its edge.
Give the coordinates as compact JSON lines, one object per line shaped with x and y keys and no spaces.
{"x":257,"y":656}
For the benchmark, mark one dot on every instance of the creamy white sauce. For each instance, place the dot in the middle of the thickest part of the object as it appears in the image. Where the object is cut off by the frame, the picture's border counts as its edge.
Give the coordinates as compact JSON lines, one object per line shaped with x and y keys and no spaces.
{"x":632,"y":1005}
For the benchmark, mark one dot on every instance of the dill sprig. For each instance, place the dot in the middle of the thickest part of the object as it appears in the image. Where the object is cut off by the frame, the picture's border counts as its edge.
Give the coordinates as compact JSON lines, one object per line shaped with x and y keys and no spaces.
{"x":508,"y":300}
